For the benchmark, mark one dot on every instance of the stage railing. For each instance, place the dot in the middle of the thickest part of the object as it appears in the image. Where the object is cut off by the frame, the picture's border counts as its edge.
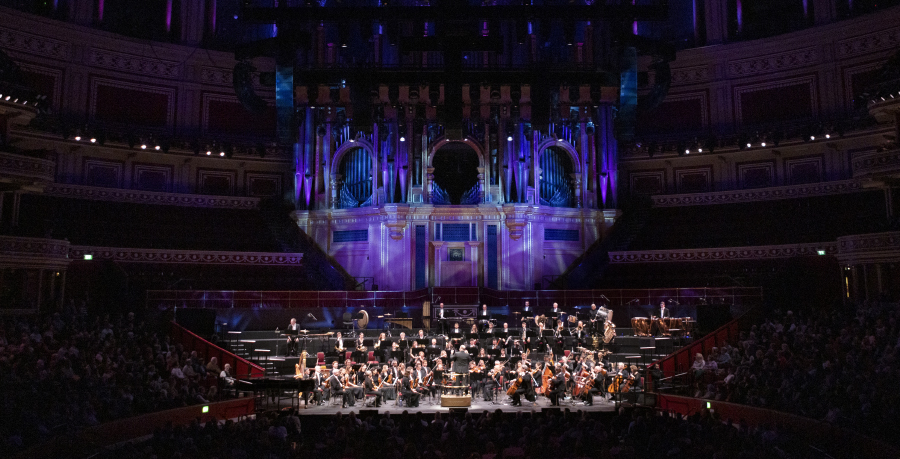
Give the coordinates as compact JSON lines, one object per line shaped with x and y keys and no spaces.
{"x":227,"y":299}
{"x":240,"y":366}
{"x":838,"y":442}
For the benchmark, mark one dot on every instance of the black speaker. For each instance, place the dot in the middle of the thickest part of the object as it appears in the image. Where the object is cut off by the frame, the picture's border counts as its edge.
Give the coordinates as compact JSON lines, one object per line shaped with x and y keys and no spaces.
{"x":199,"y":321}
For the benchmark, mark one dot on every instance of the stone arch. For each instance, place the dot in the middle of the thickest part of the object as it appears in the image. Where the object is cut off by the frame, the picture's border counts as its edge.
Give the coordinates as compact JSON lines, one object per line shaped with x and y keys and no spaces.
{"x":351,"y":145}
{"x":562,"y":145}
{"x":444,"y":141}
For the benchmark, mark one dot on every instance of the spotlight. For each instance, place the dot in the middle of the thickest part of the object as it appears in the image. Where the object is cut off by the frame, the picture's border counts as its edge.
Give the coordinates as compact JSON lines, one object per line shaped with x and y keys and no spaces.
{"x":93,"y":140}
{"x":509,"y":139}
{"x":812,"y":137}
{"x":156,"y":148}
{"x":749,"y":145}
{"x":687,"y":152}
{"x":221,"y":153}
{"x":402,"y":139}
{"x":143,"y":146}
{"x":699,"y":150}
{"x":78,"y":138}
{"x":7,"y":97}
{"x":208,"y":152}
{"x":352,"y":141}
{"x":763,"y":144}
{"x":827,"y":136}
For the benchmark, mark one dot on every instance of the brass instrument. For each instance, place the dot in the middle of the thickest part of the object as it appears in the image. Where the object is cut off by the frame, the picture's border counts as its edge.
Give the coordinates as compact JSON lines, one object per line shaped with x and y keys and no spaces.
{"x":541,"y":321}
{"x":573,"y":319}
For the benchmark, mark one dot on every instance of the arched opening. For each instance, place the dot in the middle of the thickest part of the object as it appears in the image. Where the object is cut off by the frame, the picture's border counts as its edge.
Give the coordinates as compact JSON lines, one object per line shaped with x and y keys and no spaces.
{"x":455,"y":175}
{"x":356,"y":179}
{"x":556,"y":178}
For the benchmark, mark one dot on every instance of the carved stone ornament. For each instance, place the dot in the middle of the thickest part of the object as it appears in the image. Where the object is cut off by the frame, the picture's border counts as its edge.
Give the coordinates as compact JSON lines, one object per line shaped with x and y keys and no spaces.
{"x":395,"y":220}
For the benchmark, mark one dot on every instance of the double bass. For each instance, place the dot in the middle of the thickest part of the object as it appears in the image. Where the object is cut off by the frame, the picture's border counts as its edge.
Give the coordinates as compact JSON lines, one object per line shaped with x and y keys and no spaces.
{"x":620,"y":384}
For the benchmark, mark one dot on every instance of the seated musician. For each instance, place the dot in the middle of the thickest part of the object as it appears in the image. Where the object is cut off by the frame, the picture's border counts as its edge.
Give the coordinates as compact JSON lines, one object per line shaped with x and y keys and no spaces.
{"x":434,"y":346}
{"x":491,"y":382}
{"x":505,"y":329}
{"x":456,"y":330}
{"x":440,"y":312}
{"x":293,"y":339}
{"x":495,"y":344}
{"x":599,"y":376}
{"x":381,"y":338}
{"x":490,"y":329}
{"x":557,"y":385}
{"x":339,"y":343}
{"x":336,"y":386}
{"x":319,"y":385}
{"x":406,"y":389}
{"x":420,"y":372}
{"x":527,"y":311}
{"x":387,"y":380}
{"x":524,"y":386}
{"x":474,"y":329}
{"x":370,"y":388}
{"x":403,"y":341}
{"x":393,"y":353}
{"x":421,"y":336}
{"x":353,"y":385}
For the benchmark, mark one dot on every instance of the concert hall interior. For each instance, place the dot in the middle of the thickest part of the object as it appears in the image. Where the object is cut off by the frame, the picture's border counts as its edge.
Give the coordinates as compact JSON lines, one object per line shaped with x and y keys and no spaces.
{"x":449,"y":228}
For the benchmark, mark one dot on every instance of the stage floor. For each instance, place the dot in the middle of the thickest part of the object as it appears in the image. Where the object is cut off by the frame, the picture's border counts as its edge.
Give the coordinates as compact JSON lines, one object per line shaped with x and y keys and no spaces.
{"x":427,"y":405}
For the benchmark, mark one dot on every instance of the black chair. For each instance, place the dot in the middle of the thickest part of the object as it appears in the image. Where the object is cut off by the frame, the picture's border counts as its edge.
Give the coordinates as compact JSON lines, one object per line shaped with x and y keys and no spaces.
{"x":348,"y":320}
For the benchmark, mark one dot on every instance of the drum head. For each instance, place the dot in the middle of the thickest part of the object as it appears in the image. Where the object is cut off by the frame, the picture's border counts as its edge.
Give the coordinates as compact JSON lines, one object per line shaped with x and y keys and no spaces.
{"x":363,"y":320}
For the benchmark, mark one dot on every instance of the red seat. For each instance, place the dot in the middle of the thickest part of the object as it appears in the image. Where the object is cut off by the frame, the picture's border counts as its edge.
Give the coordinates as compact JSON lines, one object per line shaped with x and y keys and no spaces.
{"x":372,"y":358}
{"x":320,"y":359}
{"x":348,"y":356}
{"x":567,"y":352}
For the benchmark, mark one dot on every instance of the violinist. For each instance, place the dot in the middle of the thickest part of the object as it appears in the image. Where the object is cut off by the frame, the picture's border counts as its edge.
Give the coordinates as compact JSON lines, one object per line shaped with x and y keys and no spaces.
{"x":387,"y":381}
{"x":336,"y":384}
{"x":491,"y":382}
{"x":319,"y":385}
{"x":406,"y":389}
{"x":352,"y":386}
{"x":371,"y":389}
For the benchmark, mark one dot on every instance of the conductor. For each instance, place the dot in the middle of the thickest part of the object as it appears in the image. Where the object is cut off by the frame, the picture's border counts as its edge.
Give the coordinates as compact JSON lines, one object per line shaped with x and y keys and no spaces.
{"x":460,"y":366}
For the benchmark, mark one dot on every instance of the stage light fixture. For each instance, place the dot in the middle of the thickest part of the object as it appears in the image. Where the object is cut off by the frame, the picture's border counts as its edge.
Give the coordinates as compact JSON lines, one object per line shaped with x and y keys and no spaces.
{"x":749,"y":145}
{"x":812,"y":137}
{"x":827,"y":136}
{"x":143,"y":146}
{"x":156,"y":148}
{"x":8,"y":97}
{"x":699,"y":150}
{"x":221,"y":153}
{"x":687,"y":152}
{"x":78,"y":138}
{"x":93,"y":140}
{"x":402,"y":139}
{"x":208,"y":152}
{"x":763,"y":144}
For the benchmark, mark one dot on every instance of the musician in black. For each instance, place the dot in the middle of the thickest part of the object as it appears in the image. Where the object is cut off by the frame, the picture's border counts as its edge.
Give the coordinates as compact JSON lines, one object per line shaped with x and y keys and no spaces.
{"x":293,"y":339}
{"x":557,"y":386}
{"x":527,"y":311}
{"x":483,"y":317}
{"x":319,"y":385}
{"x":525,"y":387}
{"x":599,"y":386}
{"x":411,"y":396}
{"x":491,"y":382}
{"x":460,"y":361}
{"x":336,"y":384}
{"x":339,"y":343}
{"x":663,"y":312}
{"x":370,"y":389}
{"x":440,"y":314}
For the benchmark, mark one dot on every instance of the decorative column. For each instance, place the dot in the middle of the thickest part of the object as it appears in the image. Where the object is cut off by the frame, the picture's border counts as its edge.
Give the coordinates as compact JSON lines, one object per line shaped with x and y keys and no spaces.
{"x":481,"y":184}
{"x":429,"y":179}
{"x":716,"y":21}
{"x":472,"y":248}
{"x":335,"y":184}
{"x":576,"y":179}
{"x":438,"y":253}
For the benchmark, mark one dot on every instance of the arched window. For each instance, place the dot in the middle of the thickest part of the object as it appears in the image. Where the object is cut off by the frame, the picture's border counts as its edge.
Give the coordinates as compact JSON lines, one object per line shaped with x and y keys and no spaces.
{"x":455,"y":175}
{"x":556,"y":179}
{"x":356,"y":179}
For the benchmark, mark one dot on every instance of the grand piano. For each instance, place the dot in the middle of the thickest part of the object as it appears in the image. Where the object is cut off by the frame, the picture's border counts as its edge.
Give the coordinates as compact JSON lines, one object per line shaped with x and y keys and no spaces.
{"x":275,"y":390}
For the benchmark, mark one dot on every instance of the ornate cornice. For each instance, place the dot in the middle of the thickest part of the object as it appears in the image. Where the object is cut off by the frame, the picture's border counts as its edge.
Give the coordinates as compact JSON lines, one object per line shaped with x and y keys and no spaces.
{"x":882,"y":39}
{"x":34,"y":44}
{"x":26,"y":252}
{"x":758,"y":194}
{"x":150,"y":197}
{"x":869,"y":248}
{"x":876,"y":163}
{"x":132,"y":255}
{"x":134,"y":64}
{"x":759,"y":252}
{"x":774,"y":62}
{"x":24,"y":167}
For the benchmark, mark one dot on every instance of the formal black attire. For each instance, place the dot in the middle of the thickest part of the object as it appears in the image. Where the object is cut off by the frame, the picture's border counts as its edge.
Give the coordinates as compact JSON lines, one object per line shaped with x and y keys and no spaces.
{"x":598,"y":388}
{"x":370,"y":389}
{"x":293,"y":339}
{"x":557,"y":388}
{"x":338,"y":389}
{"x":460,"y":361}
{"x":411,"y":396}
{"x":319,"y":387}
{"x":526,"y":388}
{"x":487,"y":389}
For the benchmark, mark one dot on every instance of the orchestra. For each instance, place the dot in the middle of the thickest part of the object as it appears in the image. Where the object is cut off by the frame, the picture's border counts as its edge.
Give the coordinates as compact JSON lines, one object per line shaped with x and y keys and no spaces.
{"x":552,"y":355}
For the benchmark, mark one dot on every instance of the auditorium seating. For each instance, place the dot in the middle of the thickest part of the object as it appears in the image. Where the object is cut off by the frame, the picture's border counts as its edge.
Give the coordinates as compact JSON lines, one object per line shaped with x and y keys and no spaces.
{"x":115,"y":224}
{"x":788,"y":221}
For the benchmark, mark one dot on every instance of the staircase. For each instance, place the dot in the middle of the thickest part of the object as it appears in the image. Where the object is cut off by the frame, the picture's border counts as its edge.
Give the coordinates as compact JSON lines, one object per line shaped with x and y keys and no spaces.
{"x":322,"y":271}
{"x":587,"y":268}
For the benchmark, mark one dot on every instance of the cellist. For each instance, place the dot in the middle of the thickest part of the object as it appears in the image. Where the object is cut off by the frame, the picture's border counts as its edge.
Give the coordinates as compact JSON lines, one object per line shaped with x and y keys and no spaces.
{"x":598,"y":373}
